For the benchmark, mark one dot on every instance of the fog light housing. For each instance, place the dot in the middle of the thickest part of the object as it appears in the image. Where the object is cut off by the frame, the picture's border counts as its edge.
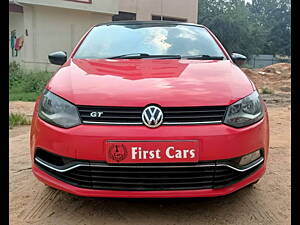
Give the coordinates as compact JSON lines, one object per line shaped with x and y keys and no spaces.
{"x":246,"y":159}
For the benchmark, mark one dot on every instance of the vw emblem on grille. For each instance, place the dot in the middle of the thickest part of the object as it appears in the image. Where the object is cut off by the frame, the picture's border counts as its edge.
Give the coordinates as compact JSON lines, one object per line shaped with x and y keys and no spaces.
{"x":152,"y":116}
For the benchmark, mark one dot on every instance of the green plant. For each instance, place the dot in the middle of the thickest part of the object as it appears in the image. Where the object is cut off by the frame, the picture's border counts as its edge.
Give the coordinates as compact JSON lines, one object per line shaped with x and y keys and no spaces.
{"x":36,"y":81}
{"x":15,"y":74}
{"x":26,"y":85}
{"x":266,"y":90}
{"x":13,"y":67}
{"x":16,"y":119}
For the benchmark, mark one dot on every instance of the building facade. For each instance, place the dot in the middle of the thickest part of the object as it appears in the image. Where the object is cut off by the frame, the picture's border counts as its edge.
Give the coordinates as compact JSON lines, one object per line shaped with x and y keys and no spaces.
{"x":38,"y":27}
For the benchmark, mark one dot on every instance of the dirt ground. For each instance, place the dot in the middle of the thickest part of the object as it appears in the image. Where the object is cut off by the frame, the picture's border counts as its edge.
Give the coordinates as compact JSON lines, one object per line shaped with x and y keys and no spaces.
{"x":268,"y":202}
{"x":25,"y":108}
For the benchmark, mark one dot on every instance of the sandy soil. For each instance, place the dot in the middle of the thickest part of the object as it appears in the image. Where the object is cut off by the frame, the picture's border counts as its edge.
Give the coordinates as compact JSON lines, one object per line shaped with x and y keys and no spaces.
{"x":268,"y":202}
{"x":276,"y":77}
{"x":20,"y":107}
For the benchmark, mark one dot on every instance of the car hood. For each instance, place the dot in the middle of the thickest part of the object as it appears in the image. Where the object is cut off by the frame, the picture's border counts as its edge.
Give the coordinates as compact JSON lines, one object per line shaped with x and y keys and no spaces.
{"x":139,"y":82}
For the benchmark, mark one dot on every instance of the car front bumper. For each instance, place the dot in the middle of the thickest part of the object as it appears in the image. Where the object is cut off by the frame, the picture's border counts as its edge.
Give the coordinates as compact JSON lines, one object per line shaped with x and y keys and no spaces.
{"x":87,"y":142}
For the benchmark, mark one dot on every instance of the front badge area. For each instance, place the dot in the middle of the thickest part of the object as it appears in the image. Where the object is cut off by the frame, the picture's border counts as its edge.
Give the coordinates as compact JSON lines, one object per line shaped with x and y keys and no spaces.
{"x":152,"y":116}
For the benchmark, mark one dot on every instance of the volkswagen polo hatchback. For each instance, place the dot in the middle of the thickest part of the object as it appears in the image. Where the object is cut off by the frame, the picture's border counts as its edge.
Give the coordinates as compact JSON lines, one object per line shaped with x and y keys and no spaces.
{"x":149,"y":109}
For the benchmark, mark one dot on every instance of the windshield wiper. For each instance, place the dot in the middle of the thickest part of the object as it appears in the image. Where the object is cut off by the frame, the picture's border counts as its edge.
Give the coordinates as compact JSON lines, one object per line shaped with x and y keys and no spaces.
{"x":204,"y":57}
{"x":143,"y":56}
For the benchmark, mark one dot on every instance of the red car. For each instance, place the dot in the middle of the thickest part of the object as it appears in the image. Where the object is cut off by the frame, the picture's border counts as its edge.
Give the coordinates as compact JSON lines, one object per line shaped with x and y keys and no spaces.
{"x":149,"y":109}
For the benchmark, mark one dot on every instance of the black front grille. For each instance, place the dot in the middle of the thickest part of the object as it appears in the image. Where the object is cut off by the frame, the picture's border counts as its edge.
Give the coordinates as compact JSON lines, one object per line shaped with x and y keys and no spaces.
{"x":102,"y":176}
{"x":132,"y":115}
{"x":194,"y":114}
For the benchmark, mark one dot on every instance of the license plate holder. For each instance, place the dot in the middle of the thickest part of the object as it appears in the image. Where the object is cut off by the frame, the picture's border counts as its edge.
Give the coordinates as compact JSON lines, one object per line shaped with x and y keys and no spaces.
{"x":177,"y":151}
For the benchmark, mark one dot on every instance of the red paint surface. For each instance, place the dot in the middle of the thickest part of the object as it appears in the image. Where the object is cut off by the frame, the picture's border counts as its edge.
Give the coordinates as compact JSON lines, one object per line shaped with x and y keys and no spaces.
{"x":139,"y":82}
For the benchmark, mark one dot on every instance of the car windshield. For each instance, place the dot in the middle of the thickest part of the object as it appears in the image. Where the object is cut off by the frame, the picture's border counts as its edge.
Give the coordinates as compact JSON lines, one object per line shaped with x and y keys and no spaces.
{"x":159,"y":40}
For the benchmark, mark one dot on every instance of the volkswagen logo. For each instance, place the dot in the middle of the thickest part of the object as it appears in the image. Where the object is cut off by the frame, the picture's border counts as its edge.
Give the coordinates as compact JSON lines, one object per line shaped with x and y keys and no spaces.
{"x":152,"y":116}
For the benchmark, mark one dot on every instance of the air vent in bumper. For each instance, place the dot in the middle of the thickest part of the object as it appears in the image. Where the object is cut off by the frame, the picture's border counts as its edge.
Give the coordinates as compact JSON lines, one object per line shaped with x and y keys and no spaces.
{"x":141,"y":177}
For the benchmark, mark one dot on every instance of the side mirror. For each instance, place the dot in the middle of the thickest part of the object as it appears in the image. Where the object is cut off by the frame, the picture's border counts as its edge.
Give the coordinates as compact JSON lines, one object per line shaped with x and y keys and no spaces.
{"x":238,"y":59}
{"x":58,"y":58}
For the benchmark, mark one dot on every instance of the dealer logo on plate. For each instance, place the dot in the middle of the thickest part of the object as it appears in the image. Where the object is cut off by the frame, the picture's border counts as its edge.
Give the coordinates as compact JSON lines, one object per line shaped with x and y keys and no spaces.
{"x":118,"y":152}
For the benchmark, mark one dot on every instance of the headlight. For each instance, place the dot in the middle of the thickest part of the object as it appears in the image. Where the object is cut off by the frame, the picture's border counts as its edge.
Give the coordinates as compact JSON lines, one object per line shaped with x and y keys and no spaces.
{"x":58,"y":111}
{"x":245,"y":112}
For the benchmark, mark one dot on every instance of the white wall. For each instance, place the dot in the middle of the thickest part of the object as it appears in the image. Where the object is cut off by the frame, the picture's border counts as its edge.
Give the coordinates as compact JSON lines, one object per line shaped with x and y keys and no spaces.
{"x":52,"y":29}
{"x":100,"y":6}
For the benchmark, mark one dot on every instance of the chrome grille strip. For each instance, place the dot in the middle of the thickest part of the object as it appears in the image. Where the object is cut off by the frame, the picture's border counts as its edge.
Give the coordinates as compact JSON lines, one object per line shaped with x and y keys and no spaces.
{"x":259,"y":161}
{"x":91,"y":165}
{"x":165,"y":123}
{"x":50,"y":166}
{"x":192,"y":123}
{"x":112,"y":123}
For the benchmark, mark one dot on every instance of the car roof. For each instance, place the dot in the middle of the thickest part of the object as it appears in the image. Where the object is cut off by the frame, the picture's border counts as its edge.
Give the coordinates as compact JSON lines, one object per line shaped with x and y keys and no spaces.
{"x":160,"y":22}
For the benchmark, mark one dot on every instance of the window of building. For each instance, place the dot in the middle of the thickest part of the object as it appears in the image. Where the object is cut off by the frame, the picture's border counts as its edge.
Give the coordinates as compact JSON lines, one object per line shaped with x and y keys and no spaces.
{"x":124,"y":16}
{"x":155,"y":17}
{"x":15,"y":8}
